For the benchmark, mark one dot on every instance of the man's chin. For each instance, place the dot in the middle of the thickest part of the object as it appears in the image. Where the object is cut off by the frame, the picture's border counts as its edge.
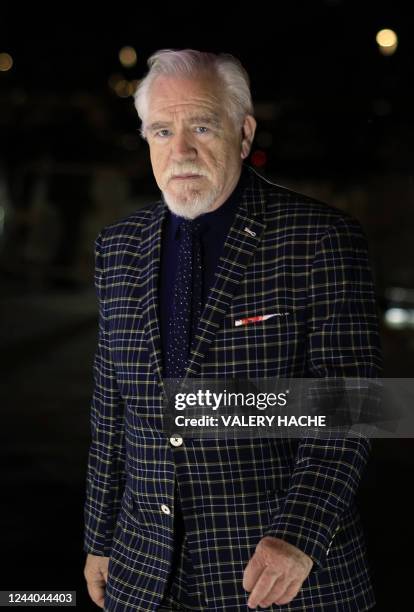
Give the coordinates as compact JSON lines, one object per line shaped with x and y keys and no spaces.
{"x":188,"y":207}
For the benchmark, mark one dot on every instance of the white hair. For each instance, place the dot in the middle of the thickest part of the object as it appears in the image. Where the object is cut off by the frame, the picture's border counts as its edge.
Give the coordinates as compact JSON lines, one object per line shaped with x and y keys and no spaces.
{"x":191,"y":63}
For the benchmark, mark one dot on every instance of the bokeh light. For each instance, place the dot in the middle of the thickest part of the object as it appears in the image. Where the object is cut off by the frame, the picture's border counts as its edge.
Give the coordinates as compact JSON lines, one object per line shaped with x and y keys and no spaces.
{"x":258,"y":158}
{"x":6,"y":62}
{"x":128,"y":57}
{"x":387,"y":41}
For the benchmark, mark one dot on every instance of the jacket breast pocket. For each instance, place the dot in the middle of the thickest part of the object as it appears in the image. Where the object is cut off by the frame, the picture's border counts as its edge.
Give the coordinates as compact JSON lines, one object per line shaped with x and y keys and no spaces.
{"x":258,"y":348}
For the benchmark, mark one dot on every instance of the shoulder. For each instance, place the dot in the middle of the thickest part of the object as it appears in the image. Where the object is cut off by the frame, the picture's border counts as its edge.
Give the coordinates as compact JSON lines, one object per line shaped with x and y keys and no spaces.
{"x":128,"y":228}
{"x":289,"y":210}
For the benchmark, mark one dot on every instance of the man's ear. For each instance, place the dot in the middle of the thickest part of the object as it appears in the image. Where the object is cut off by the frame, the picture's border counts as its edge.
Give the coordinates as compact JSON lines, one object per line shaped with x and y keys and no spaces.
{"x":248,"y":131}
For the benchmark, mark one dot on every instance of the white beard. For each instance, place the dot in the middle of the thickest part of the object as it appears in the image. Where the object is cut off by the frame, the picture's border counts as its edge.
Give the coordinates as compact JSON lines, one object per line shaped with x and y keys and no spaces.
{"x":192,"y":205}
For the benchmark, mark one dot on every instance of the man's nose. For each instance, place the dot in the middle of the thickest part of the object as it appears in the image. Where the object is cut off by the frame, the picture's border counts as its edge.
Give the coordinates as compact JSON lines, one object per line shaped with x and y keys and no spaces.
{"x":183,"y":147}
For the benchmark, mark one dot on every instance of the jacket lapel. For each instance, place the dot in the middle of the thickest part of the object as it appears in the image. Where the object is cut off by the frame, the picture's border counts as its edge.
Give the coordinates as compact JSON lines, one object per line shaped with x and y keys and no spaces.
{"x":243,"y":239}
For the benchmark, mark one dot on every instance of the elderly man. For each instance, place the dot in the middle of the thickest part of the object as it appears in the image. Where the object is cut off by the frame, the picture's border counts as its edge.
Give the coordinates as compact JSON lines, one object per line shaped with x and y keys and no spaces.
{"x":186,"y":523}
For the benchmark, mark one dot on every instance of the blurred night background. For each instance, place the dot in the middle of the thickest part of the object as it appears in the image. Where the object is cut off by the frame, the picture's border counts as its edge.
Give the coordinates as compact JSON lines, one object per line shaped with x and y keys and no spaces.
{"x":334,"y":103}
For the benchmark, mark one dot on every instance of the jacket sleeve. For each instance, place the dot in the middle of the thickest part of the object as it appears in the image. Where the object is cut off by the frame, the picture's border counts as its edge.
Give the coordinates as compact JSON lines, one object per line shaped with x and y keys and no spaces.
{"x":106,"y":461}
{"x":343,"y":341}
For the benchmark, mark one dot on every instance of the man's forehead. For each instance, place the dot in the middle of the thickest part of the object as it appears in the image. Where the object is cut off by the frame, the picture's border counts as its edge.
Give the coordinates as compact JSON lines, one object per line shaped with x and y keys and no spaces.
{"x":185,"y":95}
{"x":182,"y":84}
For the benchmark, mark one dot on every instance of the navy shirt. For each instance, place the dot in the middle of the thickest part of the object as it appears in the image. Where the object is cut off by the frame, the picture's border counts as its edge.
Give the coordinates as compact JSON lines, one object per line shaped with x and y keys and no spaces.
{"x":214,"y":228}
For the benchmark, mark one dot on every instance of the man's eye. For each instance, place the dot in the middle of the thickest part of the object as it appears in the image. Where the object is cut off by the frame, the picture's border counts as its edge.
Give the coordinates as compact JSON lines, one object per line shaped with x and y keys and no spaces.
{"x":162,"y":133}
{"x":201,"y":129}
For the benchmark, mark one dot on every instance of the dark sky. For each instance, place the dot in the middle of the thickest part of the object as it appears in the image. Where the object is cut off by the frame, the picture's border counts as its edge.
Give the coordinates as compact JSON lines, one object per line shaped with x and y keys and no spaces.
{"x":340,"y":103}
{"x":311,"y":47}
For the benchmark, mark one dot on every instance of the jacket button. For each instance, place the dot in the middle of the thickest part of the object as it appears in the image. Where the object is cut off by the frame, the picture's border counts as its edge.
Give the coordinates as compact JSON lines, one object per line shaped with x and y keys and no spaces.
{"x":176,"y":440}
{"x":165,"y":509}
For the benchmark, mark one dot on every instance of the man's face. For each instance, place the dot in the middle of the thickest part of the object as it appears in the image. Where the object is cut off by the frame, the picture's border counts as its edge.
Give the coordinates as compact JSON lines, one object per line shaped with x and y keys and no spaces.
{"x":196,"y":150}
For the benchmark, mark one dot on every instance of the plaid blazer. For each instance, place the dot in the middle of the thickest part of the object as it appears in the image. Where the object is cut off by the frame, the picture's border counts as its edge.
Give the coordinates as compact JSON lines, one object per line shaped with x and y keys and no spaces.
{"x":299,"y":256}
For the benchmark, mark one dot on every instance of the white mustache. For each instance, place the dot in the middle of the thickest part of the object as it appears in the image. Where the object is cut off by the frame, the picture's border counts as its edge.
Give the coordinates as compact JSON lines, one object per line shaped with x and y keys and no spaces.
{"x":183,"y":170}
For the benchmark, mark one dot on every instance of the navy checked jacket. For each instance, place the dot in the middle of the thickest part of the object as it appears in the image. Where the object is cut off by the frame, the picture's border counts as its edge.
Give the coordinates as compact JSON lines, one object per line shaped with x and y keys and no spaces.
{"x":300,"y":257}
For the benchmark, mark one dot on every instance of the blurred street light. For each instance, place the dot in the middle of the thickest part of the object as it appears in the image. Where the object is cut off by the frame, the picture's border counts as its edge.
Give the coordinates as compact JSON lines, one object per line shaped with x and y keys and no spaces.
{"x":128,"y":57}
{"x":6,"y":62}
{"x":387,"y":41}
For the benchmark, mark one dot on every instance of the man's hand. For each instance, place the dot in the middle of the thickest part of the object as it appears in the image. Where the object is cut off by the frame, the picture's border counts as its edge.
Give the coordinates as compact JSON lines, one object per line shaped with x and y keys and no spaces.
{"x":275,"y":572}
{"x":96,"y":574}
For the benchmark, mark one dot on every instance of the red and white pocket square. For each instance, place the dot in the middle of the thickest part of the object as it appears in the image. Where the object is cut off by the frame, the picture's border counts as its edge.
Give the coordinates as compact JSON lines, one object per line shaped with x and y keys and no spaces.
{"x":258,"y":318}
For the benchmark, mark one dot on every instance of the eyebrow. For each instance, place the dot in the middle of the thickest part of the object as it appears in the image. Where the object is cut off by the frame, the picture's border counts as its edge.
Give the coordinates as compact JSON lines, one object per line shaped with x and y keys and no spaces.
{"x":213,"y":119}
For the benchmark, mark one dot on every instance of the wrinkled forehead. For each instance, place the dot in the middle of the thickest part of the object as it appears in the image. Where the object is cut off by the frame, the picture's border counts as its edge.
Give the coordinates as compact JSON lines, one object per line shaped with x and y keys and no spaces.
{"x":172,"y":95}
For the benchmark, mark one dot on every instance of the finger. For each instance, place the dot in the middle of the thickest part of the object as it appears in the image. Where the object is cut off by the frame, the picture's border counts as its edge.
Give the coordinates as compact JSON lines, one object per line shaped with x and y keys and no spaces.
{"x":96,"y":590}
{"x":262,"y":587}
{"x":252,"y":572}
{"x":290,"y":593}
{"x":277,"y":591}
